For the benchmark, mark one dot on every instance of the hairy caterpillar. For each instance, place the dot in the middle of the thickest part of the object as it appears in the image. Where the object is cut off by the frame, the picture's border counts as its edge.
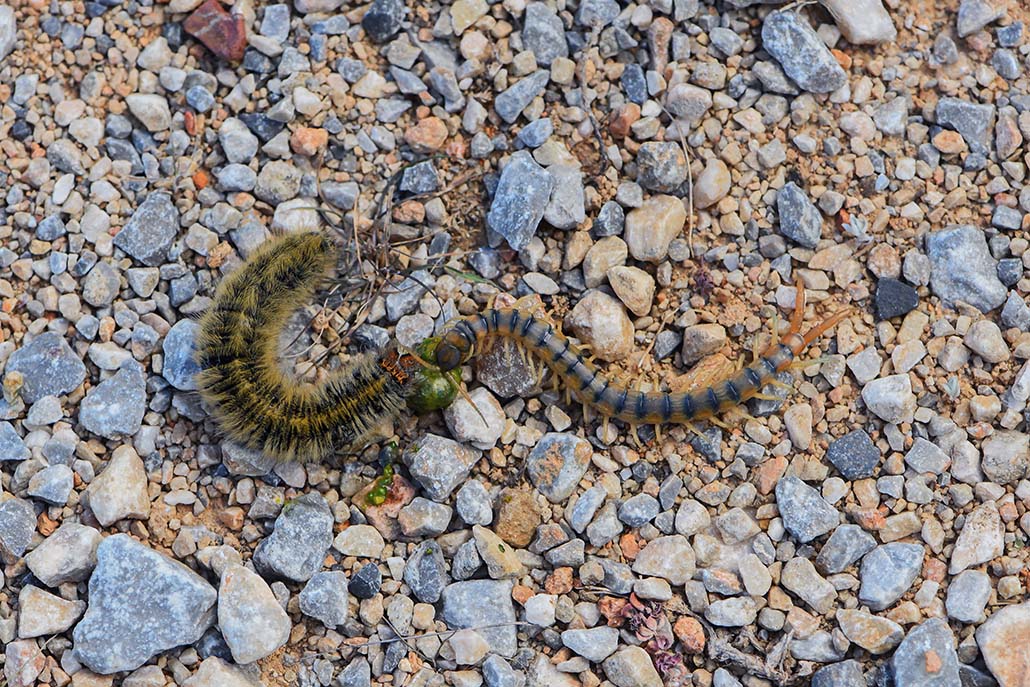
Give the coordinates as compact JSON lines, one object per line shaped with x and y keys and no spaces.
{"x":612,"y":400}
{"x":260,"y":406}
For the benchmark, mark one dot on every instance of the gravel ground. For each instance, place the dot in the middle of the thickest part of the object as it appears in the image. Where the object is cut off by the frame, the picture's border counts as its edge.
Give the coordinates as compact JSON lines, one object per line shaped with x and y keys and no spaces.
{"x":656,"y":175}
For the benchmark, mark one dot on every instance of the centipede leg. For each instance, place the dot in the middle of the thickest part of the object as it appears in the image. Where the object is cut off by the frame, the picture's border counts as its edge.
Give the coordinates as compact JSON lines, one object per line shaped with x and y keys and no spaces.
{"x":744,"y":415}
{"x":766,"y":397}
{"x":719,"y":423}
{"x":658,"y":434}
{"x":636,"y":437}
{"x":693,"y":428}
{"x":604,"y":425}
{"x":781,"y":385}
{"x":802,"y":364}
{"x":586,"y":413}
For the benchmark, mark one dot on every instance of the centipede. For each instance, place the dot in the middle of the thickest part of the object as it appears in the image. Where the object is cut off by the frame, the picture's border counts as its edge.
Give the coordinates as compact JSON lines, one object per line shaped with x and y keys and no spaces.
{"x":611,"y":400}
{"x":257,"y":403}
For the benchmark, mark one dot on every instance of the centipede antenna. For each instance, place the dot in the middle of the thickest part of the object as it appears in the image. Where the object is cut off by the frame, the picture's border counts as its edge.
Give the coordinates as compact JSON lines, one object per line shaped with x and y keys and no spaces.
{"x":465,"y":395}
{"x":821,"y":328}
{"x":798,"y":315}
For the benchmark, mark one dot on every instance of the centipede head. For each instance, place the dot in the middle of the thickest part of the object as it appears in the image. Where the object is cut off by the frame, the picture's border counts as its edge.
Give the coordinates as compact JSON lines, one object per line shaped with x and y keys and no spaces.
{"x":452,"y":350}
{"x":431,"y":387}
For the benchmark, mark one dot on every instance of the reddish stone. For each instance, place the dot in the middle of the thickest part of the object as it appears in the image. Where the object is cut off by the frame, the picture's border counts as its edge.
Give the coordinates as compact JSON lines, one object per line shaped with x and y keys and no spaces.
{"x":933,"y":662}
{"x":611,"y":608}
{"x":521,"y":593}
{"x":622,"y":119}
{"x":222,"y":33}
{"x":427,"y":136}
{"x":691,"y":635}
{"x":559,"y":581}
{"x":843,"y":59}
{"x":630,"y":546}
{"x":409,"y":212}
{"x":869,"y":518}
{"x":659,"y":35}
{"x":934,"y":570}
{"x":769,"y":473}
{"x":309,"y":140}
{"x":949,"y":142}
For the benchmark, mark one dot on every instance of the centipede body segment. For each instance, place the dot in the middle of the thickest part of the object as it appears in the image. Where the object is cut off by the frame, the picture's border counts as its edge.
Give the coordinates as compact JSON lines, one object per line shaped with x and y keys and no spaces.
{"x":612,"y":400}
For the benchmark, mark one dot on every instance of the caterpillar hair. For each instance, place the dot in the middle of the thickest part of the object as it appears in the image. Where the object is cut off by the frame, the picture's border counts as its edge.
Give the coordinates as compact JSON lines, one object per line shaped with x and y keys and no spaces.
{"x":612,"y":400}
{"x":255,"y":402}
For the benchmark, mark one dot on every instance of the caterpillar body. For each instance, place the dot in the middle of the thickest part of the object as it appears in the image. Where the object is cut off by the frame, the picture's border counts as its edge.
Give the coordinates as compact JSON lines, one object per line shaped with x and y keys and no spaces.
{"x":254,"y":401}
{"x":612,"y":400}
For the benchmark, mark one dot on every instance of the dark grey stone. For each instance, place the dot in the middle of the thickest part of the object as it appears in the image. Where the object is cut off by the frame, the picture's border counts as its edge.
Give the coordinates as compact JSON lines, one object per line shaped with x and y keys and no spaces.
{"x":805,"y":513}
{"x":115,"y":407}
{"x":846,"y":545}
{"x":543,"y":33}
{"x":894,"y":298}
{"x":17,"y":523}
{"x":366,"y":582}
{"x":638,"y":510}
{"x":887,"y":572}
{"x":510,"y":104}
{"x":426,"y":572}
{"x":421,"y":177}
{"x":12,"y":448}
{"x":50,"y":228}
{"x":151,"y":230}
{"x":140,"y":603}
{"x":854,"y":455}
{"x":1010,"y":36}
{"x":536,"y":133}
{"x":297,"y":546}
{"x":596,"y":14}
{"x":800,"y":220}
{"x":611,"y":220}
{"x":962,"y":268}
{"x":324,"y":598}
{"x":1016,"y":313}
{"x":484,"y":605}
{"x":179,"y":348}
{"x":973,"y":121}
{"x":973,"y":15}
{"x":357,"y":674}
{"x":842,"y":674}
{"x":790,"y":39}
{"x":383,"y":20}
{"x":634,"y":83}
{"x":661,"y":166}
{"x":909,"y":663}
{"x":521,"y":198}
{"x":49,"y":367}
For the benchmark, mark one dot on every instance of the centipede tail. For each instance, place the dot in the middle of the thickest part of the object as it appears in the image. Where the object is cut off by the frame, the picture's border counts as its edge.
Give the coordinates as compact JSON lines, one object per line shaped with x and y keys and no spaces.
{"x":254,"y":401}
{"x":612,"y":400}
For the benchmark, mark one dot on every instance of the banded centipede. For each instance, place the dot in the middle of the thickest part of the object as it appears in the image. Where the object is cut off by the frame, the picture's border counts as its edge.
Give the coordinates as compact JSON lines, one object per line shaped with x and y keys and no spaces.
{"x":254,"y":401}
{"x":612,"y":400}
